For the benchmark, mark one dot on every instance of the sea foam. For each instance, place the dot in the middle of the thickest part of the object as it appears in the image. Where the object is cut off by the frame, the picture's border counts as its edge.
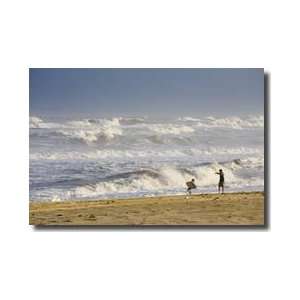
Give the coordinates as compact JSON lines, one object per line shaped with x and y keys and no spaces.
{"x":85,"y":158}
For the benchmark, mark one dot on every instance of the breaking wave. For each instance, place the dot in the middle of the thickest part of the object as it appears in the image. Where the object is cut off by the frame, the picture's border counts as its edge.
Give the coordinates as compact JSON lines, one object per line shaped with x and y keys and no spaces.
{"x":35,"y":122}
{"x":91,"y":136}
{"x":189,"y":119}
{"x":87,"y":130}
{"x":167,"y":179}
{"x":131,"y":120}
{"x":90,"y":132}
{"x":115,"y":154}
{"x":170,"y":129}
{"x":137,"y":156}
{"x":233,"y":122}
{"x":38,"y":123}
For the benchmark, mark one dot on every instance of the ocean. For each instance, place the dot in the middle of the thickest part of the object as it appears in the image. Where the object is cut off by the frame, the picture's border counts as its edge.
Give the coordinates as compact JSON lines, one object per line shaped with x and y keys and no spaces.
{"x":120,"y":157}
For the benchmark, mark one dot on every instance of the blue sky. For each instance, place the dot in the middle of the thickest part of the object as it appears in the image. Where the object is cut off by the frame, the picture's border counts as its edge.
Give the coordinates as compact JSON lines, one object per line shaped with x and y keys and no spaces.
{"x":152,"y":92}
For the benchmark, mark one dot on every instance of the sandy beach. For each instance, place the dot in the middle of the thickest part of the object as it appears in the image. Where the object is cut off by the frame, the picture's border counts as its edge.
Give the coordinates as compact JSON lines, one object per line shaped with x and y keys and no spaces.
{"x":204,"y":209}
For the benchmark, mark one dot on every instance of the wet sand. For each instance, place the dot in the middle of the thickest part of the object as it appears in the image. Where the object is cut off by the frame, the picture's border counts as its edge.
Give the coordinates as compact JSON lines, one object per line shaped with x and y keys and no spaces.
{"x":204,"y":209}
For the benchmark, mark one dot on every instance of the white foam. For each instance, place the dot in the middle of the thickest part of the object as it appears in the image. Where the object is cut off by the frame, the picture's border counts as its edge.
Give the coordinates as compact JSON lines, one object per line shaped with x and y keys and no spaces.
{"x":87,"y":123}
{"x":175,"y":151}
{"x":191,"y":119}
{"x":169,"y":178}
{"x":254,"y":161}
{"x":35,"y":122}
{"x":206,"y":175}
{"x":224,"y":151}
{"x":113,"y":154}
{"x":90,"y":132}
{"x":232,"y":122}
{"x":56,"y":199}
{"x":170,"y":129}
{"x":131,"y":120}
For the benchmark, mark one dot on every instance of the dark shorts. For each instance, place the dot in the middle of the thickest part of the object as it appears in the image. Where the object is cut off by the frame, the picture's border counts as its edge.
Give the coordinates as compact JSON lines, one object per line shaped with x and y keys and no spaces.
{"x":221,"y":183}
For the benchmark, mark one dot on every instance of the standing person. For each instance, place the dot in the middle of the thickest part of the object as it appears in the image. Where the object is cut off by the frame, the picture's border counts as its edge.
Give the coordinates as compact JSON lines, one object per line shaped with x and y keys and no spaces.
{"x":221,"y":180}
{"x":190,"y":185}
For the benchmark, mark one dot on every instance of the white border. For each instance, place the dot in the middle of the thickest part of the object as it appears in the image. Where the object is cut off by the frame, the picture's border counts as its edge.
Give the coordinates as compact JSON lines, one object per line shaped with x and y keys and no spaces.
{"x":150,"y":264}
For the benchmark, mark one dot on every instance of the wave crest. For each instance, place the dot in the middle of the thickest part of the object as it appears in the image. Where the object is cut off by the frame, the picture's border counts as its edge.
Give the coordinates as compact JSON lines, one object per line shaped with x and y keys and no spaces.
{"x":233,"y":122}
{"x":164,"y":179}
{"x":170,"y":129}
{"x":35,"y":122}
{"x":90,"y":132}
{"x":114,"y":154}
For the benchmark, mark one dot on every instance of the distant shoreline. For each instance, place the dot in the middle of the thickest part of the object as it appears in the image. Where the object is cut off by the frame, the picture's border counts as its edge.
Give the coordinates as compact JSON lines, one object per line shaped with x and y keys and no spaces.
{"x":240,"y":208}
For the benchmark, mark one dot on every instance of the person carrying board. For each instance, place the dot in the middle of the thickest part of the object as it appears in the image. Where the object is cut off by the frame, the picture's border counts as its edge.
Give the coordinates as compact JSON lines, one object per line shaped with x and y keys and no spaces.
{"x":190,"y":185}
